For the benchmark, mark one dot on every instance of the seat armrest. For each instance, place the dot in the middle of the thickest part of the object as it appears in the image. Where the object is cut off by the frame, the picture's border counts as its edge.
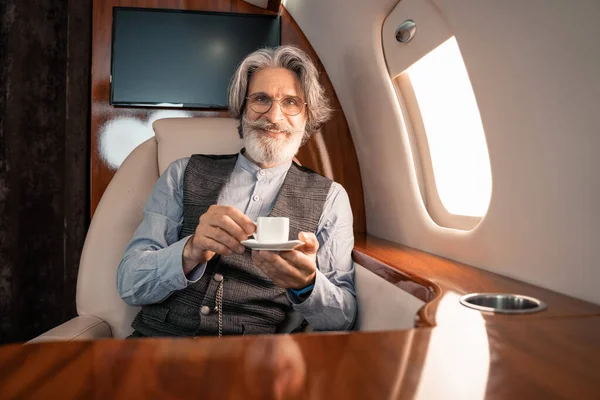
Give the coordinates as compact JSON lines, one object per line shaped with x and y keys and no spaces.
{"x":78,"y":328}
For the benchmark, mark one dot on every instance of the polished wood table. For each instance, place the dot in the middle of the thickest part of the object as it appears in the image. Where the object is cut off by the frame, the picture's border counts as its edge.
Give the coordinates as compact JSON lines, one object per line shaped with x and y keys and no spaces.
{"x":534,"y":359}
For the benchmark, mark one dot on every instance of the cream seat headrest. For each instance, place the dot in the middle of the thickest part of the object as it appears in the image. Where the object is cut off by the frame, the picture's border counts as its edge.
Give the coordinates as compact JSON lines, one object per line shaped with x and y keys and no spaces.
{"x":182,"y":137}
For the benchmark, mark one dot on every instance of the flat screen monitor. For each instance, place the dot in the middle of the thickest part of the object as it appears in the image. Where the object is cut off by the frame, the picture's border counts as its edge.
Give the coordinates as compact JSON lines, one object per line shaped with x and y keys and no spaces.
{"x":169,"y":58}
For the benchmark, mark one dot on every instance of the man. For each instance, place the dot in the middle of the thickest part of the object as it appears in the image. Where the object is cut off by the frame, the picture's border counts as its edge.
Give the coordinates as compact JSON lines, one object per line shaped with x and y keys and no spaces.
{"x":185,"y":264}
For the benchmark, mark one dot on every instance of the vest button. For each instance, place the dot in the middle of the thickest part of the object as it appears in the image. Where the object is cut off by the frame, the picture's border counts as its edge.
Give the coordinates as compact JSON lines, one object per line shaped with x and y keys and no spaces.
{"x":255,"y":198}
{"x":205,"y":310}
{"x":262,"y":172}
{"x":218,"y":277}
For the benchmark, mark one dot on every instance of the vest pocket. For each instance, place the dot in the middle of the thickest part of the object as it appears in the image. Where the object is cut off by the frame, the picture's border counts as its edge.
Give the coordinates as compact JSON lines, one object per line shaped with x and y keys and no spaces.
{"x":155,"y":314}
{"x":256,"y":329}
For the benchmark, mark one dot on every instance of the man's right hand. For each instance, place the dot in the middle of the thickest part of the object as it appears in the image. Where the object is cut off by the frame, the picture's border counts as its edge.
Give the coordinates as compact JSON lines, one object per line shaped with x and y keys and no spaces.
{"x":220,"y":231}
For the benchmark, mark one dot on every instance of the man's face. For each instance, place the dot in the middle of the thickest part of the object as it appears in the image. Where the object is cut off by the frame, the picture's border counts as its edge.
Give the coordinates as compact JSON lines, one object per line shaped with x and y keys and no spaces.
{"x":274,"y":136}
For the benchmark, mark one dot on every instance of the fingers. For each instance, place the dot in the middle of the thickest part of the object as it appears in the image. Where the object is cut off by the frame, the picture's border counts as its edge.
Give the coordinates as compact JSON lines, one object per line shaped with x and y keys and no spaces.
{"x":221,"y":229}
{"x":236,"y":216}
{"x":311,"y":244}
{"x":287,"y":274}
{"x":214,"y":246}
{"x":303,"y":262}
{"x":228,"y":219}
{"x":278,"y":270}
{"x":222,"y":237}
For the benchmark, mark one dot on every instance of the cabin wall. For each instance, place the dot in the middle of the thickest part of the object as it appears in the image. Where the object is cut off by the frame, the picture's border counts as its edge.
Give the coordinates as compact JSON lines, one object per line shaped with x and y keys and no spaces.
{"x":44,"y":118}
{"x":533,"y":66}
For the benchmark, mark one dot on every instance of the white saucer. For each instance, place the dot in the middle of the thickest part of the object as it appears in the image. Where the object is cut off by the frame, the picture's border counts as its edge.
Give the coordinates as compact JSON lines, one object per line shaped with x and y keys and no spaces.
{"x":281,"y":246}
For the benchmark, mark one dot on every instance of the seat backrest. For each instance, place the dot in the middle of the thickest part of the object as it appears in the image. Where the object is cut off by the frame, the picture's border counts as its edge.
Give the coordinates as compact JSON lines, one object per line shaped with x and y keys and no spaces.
{"x":120,"y":210}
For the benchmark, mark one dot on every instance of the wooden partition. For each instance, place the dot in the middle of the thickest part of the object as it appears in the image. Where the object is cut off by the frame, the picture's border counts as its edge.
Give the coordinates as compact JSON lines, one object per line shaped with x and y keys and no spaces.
{"x":332,"y":153}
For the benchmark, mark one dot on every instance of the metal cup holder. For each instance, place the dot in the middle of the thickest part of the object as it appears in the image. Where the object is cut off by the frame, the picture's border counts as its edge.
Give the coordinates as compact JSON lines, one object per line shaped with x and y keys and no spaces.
{"x":502,"y":303}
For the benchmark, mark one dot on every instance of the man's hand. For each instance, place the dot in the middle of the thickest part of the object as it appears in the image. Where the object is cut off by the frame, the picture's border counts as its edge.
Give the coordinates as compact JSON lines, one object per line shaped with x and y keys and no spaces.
{"x":295,"y":269}
{"x":220,"y":231}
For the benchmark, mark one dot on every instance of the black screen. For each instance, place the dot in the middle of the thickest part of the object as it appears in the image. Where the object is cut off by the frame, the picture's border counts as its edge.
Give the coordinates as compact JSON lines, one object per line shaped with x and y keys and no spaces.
{"x":182,"y":58}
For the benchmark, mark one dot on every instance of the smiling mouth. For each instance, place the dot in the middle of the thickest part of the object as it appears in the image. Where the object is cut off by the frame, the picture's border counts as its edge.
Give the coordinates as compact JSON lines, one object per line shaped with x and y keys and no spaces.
{"x":272,"y":132}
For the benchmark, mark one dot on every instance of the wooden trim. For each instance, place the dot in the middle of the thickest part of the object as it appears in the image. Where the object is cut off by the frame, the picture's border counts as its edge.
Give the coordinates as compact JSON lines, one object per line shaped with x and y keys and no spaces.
{"x":273,"y":5}
{"x":394,"y":276}
{"x":450,"y":279}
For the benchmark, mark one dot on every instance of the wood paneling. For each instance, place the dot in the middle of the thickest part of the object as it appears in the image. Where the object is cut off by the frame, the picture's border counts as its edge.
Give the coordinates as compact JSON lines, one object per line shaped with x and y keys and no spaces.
{"x":449,"y":280}
{"x":538,"y":360}
{"x":332,"y":154}
{"x":273,"y":5}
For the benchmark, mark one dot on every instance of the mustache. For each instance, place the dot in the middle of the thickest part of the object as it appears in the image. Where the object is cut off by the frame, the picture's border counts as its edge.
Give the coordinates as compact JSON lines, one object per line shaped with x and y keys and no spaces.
{"x":268,"y":126}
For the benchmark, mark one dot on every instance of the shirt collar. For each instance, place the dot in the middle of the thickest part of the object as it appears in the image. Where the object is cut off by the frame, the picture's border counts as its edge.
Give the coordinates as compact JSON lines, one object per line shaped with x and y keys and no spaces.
{"x":249,"y":166}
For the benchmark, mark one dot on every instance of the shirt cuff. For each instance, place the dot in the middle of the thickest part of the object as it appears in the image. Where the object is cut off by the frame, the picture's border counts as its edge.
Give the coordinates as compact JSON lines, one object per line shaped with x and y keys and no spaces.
{"x":171,"y":261}
{"x":195,"y":274}
{"x":315,"y":301}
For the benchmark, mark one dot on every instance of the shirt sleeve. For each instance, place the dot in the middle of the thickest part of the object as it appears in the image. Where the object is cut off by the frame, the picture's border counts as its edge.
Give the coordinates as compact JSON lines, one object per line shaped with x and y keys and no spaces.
{"x":152,"y":265}
{"x":332,"y":303}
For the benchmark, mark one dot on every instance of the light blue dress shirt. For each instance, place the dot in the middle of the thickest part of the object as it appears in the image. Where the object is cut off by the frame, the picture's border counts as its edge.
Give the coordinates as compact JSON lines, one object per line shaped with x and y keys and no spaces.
{"x":152,"y":265}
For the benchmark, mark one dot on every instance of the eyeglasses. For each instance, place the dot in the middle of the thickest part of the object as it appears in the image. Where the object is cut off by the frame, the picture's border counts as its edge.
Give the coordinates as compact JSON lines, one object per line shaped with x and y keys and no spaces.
{"x":261,"y":104}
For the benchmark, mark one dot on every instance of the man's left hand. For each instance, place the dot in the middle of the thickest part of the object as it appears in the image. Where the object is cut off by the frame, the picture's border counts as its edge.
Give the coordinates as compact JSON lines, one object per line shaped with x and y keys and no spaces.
{"x":294,"y":269}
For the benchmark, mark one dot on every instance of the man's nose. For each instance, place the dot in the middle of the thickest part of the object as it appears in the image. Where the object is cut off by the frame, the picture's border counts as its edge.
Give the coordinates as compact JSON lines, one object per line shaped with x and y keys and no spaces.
{"x":275,"y":115}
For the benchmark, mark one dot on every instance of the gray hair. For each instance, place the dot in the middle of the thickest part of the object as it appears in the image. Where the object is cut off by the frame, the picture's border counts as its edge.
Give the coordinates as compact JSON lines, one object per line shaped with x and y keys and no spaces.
{"x":297,"y":61}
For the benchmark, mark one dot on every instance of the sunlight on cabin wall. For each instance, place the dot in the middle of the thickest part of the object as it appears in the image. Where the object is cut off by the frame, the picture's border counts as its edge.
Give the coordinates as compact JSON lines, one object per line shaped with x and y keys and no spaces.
{"x":455,"y":135}
{"x":118,"y":137}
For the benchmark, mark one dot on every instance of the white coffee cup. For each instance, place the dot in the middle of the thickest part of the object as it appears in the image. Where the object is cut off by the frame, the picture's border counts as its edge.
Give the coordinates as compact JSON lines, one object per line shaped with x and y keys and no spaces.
{"x":272,"y":229}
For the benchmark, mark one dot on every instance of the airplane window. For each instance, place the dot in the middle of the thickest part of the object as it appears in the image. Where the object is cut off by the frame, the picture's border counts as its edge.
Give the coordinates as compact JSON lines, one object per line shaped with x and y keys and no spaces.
{"x":443,"y":112}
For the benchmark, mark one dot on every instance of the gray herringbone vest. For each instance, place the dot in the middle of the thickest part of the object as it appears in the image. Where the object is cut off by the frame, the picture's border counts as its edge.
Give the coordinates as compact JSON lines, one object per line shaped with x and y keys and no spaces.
{"x":251,"y":302}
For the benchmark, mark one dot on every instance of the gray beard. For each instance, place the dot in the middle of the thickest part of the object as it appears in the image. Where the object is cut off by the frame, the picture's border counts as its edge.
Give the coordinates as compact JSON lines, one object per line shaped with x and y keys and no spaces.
{"x":267,"y":150}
